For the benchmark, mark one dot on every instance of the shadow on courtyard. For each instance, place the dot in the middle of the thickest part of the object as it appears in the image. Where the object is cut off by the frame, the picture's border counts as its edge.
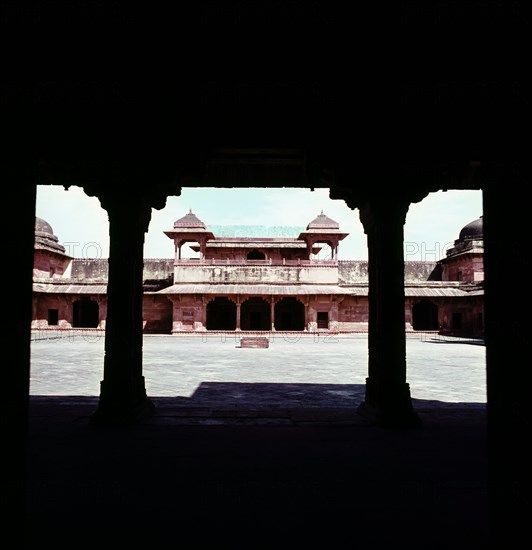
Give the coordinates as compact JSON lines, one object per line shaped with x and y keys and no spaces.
{"x":444,"y":339}
{"x":239,"y":400}
{"x":270,"y":394}
{"x":239,"y":465}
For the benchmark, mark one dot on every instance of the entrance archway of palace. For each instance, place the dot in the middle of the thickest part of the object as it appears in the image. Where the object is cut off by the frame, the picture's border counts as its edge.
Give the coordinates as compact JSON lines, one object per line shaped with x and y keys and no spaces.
{"x":255,"y":314}
{"x":289,"y":314}
{"x":221,"y":314}
{"x":85,"y":313}
{"x":425,"y":315}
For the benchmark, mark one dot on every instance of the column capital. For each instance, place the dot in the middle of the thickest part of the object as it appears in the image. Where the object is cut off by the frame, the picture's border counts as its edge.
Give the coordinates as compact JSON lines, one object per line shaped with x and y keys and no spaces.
{"x":376,"y":212}
{"x":131,"y":209}
{"x":121,"y":185}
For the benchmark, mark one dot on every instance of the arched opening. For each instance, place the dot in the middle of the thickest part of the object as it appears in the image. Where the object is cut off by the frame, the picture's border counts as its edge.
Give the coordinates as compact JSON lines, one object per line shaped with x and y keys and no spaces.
{"x":425,"y":316}
{"x":323,"y":250}
{"x":221,"y":314}
{"x":255,"y":314}
{"x":256,"y":255}
{"x":86,"y":313}
{"x":189,"y":250}
{"x":289,"y":314}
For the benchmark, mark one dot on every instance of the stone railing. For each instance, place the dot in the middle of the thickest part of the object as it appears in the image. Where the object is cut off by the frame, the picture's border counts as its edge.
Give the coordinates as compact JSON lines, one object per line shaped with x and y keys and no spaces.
{"x":246,"y":262}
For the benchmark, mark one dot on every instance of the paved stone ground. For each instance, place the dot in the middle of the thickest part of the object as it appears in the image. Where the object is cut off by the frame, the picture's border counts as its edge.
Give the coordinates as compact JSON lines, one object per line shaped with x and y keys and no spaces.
{"x":295,"y":371}
{"x":251,"y":461}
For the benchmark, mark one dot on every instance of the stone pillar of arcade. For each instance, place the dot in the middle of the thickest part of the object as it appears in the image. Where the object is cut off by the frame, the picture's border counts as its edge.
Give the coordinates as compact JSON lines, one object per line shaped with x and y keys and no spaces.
{"x":122,"y":192}
{"x":387,"y":400}
{"x":123,"y":396}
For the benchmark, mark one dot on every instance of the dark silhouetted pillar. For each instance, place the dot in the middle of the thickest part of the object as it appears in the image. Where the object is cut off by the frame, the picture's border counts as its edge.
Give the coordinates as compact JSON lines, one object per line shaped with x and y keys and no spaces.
{"x":19,"y":197}
{"x":507,"y":263}
{"x":387,"y":400}
{"x":123,"y":396}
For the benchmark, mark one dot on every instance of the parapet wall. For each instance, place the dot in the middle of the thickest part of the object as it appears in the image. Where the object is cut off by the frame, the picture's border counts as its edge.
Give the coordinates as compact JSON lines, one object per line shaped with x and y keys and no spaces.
{"x":349,"y":272}
{"x":90,"y":269}
{"x":356,"y":272}
{"x":158,"y":269}
{"x":97,"y":270}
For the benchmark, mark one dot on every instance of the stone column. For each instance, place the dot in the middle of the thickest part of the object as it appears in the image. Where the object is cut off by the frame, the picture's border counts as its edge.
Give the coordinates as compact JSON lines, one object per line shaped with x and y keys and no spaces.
{"x":272,"y":313}
{"x":102,"y":303}
{"x":176,"y":325}
{"x":387,"y":400}
{"x":309,"y":247}
{"x":238,"y":305}
{"x":334,"y":323}
{"x":204,"y":302}
{"x":123,"y":398}
{"x":65,"y":312}
{"x":203,"y":244}
{"x":310,"y":313}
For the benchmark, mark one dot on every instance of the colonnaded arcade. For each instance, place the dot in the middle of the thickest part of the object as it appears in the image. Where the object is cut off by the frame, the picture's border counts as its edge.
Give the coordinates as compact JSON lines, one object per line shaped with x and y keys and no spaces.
{"x":123,"y":399}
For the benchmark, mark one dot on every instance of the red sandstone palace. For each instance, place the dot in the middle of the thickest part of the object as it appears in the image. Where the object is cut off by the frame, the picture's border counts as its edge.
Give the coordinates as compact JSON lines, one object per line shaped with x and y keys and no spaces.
{"x":260,"y":284}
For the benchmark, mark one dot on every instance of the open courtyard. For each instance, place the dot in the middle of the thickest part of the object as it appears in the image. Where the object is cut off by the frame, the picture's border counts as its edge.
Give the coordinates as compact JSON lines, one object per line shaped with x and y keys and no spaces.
{"x":295,"y":370}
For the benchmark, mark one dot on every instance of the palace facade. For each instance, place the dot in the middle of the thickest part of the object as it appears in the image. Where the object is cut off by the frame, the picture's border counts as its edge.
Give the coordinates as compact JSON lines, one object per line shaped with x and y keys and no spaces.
{"x":260,"y":284}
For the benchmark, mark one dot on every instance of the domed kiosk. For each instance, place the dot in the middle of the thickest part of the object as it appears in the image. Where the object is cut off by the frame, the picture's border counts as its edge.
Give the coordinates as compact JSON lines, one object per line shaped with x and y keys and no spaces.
{"x":58,"y":303}
{"x":323,"y":229}
{"x":470,"y":244}
{"x":45,"y":238}
{"x":463,"y":267}
{"x":50,"y":259}
{"x":189,"y":229}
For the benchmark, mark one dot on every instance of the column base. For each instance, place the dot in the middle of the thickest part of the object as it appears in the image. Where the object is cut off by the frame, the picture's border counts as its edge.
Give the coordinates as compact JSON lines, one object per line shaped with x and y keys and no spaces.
{"x":389,"y":405}
{"x":119,"y":408}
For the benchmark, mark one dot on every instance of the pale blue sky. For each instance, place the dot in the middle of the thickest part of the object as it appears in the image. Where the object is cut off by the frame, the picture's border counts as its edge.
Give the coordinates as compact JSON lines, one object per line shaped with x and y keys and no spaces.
{"x":81,"y":225}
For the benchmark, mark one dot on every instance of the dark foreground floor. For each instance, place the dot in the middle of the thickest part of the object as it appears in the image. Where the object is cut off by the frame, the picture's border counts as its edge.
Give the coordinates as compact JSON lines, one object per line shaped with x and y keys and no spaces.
{"x":283,"y":478}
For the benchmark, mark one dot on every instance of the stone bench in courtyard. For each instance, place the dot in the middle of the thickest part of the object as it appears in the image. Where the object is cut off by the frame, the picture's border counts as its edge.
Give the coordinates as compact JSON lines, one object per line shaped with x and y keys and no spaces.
{"x":254,"y":342}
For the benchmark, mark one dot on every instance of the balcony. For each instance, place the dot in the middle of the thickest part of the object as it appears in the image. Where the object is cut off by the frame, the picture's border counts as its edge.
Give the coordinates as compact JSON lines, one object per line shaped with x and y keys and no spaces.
{"x":256,"y":271}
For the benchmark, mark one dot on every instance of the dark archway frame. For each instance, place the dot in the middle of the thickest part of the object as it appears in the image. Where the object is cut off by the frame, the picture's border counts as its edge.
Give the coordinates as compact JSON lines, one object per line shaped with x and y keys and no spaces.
{"x":382,"y":215}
